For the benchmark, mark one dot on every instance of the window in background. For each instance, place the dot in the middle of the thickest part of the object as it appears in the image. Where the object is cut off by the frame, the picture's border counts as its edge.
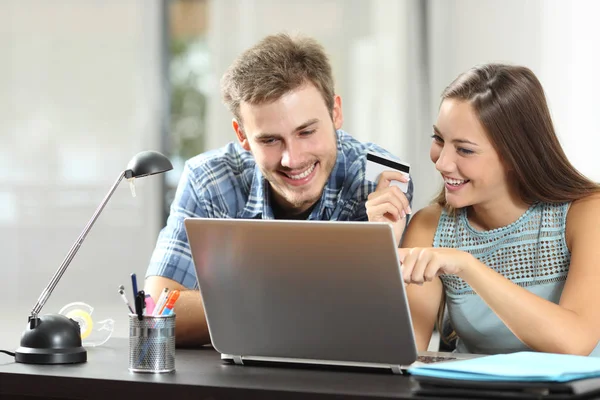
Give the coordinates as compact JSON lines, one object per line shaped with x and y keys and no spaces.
{"x":188,"y":63}
{"x":80,"y":96}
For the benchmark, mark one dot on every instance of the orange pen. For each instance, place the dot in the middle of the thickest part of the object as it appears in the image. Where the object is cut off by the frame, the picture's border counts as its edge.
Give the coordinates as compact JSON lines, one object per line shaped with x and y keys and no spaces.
{"x":170,"y":303}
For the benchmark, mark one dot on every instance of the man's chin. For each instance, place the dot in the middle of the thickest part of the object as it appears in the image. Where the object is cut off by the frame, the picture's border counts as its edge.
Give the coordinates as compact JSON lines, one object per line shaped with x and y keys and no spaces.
{"x":300,"y":202}
{"x":296,"y":197}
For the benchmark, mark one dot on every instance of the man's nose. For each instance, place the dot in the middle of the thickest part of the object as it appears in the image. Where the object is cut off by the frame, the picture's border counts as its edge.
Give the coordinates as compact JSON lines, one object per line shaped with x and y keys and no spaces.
{"x":292,"y":156}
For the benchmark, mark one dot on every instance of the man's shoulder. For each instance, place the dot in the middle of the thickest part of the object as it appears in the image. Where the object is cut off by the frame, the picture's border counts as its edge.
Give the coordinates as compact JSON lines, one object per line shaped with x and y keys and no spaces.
{"x":355,"y":149}
{"x":230,"y":159}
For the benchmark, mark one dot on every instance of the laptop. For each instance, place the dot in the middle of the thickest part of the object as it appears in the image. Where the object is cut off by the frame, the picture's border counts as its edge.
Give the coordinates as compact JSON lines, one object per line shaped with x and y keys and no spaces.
{"x":320,"y":293}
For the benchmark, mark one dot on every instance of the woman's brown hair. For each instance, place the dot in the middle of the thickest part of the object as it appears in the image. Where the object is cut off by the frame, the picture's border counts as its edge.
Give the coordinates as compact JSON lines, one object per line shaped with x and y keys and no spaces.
{"x":511,"y":106}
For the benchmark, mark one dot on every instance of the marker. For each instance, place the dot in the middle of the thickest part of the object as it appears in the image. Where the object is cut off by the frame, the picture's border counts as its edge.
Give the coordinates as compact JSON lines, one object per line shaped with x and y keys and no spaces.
{"x":122,"y":293}
{"x":139,"y":307}
{"x":149,"y":305}
{"x":161,"y":301}
{"x":173,"y":296}
{"x":142,"y":295}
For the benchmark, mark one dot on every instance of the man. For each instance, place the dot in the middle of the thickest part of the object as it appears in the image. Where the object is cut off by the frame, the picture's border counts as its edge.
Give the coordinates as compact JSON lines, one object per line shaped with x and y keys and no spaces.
{"x":291,"y":161}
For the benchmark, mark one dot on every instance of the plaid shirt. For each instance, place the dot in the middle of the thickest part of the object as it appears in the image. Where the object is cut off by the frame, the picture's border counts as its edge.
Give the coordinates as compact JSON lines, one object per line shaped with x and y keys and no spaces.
{"x":226,"y":183}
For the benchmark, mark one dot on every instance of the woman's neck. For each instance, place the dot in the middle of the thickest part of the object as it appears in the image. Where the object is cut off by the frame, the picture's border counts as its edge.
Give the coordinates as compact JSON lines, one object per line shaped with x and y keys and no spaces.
{"x":485,"y":217}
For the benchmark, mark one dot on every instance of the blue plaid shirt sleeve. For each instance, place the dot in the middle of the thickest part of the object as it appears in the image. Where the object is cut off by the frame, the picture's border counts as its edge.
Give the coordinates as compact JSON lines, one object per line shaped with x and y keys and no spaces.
{"x":360,"y":187}
{"x":172,"y":257}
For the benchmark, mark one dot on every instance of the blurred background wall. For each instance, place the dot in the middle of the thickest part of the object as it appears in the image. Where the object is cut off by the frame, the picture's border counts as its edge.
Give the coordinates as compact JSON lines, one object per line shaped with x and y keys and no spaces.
{"x":80,"y":94}
{"x":85,"y":85}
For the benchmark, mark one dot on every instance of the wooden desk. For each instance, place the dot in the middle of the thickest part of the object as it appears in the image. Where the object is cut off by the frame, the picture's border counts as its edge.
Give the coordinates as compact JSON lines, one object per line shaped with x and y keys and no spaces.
{"x":200,"y":374}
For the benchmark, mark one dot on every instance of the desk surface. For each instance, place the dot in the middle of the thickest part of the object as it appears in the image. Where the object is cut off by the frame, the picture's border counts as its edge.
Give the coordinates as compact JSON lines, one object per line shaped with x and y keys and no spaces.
{"x":200,"y":374}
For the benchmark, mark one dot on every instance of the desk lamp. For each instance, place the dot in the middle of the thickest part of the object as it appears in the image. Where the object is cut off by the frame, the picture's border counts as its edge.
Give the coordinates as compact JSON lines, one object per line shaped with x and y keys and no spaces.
{"x":55,"y":338}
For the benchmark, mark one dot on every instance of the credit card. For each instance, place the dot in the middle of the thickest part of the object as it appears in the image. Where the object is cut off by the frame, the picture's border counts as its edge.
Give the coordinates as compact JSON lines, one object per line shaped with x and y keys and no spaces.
{"x":377,"y":163}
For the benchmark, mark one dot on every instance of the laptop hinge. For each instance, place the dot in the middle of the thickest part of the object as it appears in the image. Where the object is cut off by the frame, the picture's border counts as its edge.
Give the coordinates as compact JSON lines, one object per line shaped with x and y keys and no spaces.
{"x":238,"y":360}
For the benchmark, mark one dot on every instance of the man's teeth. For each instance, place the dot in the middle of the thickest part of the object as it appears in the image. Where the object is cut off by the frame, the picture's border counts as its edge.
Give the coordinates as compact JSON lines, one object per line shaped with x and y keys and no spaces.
{"x":302,"y":175}
{"x":455,"y":182}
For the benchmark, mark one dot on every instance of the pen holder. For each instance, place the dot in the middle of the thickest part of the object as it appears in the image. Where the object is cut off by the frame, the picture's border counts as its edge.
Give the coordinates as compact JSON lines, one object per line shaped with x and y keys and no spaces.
{"x":152,"y":343}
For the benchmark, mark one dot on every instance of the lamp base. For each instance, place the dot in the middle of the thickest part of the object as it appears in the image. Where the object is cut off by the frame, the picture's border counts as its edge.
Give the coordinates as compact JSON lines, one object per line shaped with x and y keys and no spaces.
{"x":51,"y":339}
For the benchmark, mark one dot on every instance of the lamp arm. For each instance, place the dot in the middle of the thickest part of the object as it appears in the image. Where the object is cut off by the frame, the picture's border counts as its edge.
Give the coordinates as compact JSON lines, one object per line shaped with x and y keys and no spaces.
{"x":59,"y":273}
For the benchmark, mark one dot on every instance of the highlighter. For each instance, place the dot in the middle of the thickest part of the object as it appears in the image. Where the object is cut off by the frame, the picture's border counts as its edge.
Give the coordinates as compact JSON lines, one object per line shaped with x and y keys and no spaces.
{"x":149,"y":305}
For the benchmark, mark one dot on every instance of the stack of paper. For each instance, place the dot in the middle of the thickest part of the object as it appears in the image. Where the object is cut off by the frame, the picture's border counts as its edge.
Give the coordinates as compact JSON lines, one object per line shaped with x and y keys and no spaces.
{"x":522,"y":366}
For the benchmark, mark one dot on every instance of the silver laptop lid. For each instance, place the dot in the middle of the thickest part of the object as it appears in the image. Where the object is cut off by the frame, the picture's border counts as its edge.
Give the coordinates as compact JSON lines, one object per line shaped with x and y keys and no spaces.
{"x":306,"y":290}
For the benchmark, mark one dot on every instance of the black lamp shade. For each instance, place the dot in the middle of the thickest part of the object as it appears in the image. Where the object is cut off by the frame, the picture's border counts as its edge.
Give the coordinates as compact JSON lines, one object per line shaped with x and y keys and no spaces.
{"x":147,"y":163}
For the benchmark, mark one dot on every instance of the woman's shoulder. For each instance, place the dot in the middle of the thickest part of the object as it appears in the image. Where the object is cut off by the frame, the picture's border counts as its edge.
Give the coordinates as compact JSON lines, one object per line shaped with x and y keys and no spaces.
{"x":583,"y":216}
{"x":422,"y":226}
{"x":584,"y":207}
{"x":428,"y":215}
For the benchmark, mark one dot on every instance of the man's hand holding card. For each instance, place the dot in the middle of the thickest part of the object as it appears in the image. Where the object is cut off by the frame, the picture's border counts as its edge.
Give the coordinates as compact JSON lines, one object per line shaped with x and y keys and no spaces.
{"x":388,"y":203}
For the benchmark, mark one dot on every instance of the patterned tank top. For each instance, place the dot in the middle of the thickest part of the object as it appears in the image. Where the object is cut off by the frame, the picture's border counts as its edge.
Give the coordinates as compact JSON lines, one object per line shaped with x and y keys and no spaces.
{"x":531,"y":252}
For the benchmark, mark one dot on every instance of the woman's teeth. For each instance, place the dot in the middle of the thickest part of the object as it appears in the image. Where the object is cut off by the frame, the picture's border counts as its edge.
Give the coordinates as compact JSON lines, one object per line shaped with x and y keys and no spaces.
{"x":455,"y":182}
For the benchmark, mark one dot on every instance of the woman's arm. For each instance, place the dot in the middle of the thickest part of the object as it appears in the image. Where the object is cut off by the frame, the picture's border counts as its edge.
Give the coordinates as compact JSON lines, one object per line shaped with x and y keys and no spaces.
{"x":572,"y":326}
{"x":424,"y":300}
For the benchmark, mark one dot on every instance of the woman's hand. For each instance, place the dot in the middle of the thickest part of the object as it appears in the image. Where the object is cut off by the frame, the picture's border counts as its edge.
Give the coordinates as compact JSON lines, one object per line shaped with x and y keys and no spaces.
{"x":421,"y":265}
{"x":388,"y":203}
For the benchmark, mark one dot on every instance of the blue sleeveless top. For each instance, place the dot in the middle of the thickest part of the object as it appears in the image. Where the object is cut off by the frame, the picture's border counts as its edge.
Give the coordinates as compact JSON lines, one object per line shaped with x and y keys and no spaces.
{"x":531,"y":252}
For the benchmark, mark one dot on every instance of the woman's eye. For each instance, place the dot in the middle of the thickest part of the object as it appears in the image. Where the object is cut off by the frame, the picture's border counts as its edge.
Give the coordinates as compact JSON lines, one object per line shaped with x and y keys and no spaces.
{"x":464,"y":151}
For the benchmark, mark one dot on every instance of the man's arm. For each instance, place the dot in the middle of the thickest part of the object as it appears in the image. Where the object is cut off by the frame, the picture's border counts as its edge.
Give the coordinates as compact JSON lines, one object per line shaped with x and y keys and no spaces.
{"x":190,"y":322}
{"x":171,"y":265}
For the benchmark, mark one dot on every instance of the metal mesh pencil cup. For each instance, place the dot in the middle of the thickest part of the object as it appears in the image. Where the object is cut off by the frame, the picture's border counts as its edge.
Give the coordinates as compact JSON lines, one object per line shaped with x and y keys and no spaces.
{"x":152,"y":343}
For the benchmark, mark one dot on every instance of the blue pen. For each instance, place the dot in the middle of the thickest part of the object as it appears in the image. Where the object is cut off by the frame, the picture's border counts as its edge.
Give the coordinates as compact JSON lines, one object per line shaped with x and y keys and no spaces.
{"x":134,"y":285}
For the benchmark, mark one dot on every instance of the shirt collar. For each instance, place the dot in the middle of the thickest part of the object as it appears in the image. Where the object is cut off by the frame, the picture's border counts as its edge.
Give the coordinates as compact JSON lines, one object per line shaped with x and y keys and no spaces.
{"x":259,"y":202}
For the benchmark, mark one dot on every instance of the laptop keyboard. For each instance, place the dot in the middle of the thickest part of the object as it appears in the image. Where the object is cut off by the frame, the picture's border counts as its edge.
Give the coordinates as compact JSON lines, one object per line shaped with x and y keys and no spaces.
{"x":434,"y":359}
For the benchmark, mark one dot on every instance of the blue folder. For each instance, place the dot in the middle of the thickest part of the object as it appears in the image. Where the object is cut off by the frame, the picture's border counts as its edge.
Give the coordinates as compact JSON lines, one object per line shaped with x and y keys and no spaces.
{"x":516,"y":367}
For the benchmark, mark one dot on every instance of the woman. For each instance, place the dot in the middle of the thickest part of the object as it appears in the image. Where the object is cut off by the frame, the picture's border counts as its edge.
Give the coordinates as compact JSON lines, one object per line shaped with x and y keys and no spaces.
{"x":512,"y":243}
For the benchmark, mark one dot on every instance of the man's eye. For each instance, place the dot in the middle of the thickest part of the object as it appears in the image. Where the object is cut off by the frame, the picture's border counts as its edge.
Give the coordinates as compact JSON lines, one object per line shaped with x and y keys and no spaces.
{"x":307,"y":133}
{"x":437,"y":138}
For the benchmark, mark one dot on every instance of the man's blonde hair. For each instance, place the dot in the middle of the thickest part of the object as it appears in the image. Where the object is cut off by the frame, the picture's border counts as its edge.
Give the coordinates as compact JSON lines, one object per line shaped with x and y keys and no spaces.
{"x":275,"y":66}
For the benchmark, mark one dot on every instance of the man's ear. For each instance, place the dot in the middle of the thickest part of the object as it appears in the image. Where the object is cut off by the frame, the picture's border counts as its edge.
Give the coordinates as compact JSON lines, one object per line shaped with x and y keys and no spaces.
{"x":337,"y":115}
{"x":241,"y":136}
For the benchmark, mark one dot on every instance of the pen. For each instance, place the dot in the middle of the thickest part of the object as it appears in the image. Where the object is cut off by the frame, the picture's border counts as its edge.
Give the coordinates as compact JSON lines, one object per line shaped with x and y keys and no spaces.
{"x":122,"y":293}
{"x":173,"y":296}
{"x":161,"y":301}
{"x":134,"y":284}
{"x":139,"y":308}
{"x":164,"y":304}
